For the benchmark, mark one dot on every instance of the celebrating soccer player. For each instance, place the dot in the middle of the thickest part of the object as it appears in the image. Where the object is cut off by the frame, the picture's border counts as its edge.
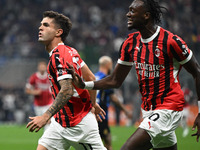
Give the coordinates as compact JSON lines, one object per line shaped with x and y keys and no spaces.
{"x":158,"y":56}
{"x":73,"y":123}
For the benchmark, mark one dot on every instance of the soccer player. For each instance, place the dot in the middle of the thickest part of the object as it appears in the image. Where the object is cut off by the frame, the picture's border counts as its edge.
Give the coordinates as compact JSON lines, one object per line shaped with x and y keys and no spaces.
{"x":158,"y":56}
{"x":73,"y":123}
{"x":39,"y":86}
{"x":103,"y":99}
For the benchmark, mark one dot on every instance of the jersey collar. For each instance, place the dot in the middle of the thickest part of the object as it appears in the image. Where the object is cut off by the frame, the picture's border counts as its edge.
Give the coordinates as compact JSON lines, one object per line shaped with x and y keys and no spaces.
{"x":39,"y":75}
{"x":152,"y":37}
{"x":54,"y":49}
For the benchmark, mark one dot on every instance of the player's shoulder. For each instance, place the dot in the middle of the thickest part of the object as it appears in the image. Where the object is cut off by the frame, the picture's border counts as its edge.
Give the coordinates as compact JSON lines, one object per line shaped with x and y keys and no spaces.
{"x":133,"y":35}
{"x":171,"y":36}
{"x":33,"y":76}
{"x":64,"y":49}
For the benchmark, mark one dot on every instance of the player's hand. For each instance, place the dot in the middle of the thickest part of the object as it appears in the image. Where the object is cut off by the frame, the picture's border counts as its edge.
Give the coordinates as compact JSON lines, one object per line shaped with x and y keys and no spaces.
{"x":37,"y":123}
{"x":99,"y":112}
{"x":77,"y":80}
{"x":196,"y":124}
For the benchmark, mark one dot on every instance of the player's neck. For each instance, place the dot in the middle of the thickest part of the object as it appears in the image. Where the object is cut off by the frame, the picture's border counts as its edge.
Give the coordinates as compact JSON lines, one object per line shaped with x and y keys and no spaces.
{"x":54,"y":43}
{"x":148,"y":31}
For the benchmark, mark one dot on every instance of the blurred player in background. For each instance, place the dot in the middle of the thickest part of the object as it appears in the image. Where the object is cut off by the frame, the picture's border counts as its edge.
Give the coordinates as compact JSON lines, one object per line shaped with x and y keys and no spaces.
{"x":103,"y":99}
{"x":73,"y":124}
{"x":188,"y":96}
{"x":39,"y":86}
{"x":158,"y":56}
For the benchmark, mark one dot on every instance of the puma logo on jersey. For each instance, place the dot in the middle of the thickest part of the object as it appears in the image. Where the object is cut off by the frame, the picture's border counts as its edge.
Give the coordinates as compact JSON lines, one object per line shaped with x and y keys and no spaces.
{"x":138,"y":48}
{"x":150,"y":125}
{"x":58,"y":58}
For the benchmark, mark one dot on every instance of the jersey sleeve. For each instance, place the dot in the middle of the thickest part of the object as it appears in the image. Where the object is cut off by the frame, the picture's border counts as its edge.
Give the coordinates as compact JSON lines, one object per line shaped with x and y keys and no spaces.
{"x":64,"y":55}
{"x":31,"y":82}
{"x":60,"y":67}
{"x":180,"y":50}
{"x":82,"y":62}
{"x":125,"y":57}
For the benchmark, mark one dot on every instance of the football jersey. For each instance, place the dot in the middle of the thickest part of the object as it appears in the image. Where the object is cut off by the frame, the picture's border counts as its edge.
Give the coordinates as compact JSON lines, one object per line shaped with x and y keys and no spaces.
{"x":157,"y":61}
{"x":103,"y":96}
{"x":79,"y":104}
{"x":38,"y":81}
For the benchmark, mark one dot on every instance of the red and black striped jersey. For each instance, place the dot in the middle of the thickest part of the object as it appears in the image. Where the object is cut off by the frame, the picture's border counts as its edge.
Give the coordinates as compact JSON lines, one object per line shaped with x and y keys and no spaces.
{"x":157,"y":61}
{"x":79,"y":104}
{"x":39,"y":81}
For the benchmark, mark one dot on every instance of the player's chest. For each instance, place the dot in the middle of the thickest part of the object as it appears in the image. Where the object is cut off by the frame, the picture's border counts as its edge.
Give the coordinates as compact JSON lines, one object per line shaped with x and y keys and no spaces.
{"x":150,"y":53}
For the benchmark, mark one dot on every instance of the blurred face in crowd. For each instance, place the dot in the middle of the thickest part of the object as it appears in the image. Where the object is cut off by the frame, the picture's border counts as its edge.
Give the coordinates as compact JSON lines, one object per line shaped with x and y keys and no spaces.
{"x":42,"y":67}
{"x":136,"y":15}
{"x":47,"y":30}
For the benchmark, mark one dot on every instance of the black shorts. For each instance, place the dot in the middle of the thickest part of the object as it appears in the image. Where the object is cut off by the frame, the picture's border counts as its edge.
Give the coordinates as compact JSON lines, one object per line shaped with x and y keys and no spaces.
{"x":104,"y":129}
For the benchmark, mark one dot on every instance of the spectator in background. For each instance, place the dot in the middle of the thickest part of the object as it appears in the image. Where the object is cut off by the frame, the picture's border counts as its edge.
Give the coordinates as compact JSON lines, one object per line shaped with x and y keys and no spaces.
{"x":39,"y":86}
{"x":9,"y":106}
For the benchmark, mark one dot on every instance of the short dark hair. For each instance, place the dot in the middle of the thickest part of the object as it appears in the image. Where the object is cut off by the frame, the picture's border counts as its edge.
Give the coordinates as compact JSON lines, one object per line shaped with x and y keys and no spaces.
{"x":61,"y":20}
{"x":154,"y":8}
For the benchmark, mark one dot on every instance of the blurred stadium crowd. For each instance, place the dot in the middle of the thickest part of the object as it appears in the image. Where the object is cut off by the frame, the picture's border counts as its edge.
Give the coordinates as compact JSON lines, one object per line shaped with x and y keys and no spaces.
{"x":99,"y":27}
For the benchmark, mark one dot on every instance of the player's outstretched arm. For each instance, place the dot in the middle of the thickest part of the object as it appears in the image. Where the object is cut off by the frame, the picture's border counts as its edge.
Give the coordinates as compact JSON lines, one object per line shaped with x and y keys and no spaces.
{"x":112,"y":81}
{"x":62,"y":98}
{"x":116,"y":101}
{"x":193,"y":67}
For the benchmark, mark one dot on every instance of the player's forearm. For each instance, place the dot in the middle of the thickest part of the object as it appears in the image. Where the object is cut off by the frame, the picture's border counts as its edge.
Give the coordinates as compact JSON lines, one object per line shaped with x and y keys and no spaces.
{"x":93,"y":94}
{"x":114,"y":80}
{"x":120,"y":105}
{"x":197,"y":81}
{"x":106,"y":83}
{"x":31,"y":91}
{"x":61,"y":100}
{"x":198,"y":86}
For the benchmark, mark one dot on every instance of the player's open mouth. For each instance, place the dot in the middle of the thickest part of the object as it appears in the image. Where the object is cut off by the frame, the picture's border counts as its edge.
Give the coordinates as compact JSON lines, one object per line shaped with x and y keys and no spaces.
{"x":40,"y":34}
{"x":130,"y":21}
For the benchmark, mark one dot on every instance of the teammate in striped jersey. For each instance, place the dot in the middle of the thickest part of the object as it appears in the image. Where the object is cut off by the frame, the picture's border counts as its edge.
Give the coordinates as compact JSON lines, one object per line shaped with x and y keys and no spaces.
{"x":158,"y":56}
{"x":38,"y":85}
{"x":73,"y":123}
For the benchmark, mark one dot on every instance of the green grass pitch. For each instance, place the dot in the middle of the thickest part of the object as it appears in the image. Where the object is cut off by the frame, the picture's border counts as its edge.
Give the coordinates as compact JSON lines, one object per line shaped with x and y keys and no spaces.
{"x":18,"y":138}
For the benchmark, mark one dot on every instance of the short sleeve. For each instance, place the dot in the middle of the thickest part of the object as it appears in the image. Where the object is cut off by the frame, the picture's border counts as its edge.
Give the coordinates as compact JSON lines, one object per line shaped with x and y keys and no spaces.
{"x":82,"y":63}
{"x":30,"y":82}
{"x":60,"y":67}
{"x":125,"y":57}
{"x":180,"y":50}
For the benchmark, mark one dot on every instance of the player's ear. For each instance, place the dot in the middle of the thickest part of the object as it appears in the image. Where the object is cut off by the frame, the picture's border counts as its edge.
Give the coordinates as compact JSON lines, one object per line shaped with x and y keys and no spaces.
{"x":59,"y":32}
{"x":147,"y":15}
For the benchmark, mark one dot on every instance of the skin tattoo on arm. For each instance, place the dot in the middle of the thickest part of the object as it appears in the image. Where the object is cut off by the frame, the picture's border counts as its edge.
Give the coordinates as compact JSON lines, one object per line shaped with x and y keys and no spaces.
{"x":62,"y":98}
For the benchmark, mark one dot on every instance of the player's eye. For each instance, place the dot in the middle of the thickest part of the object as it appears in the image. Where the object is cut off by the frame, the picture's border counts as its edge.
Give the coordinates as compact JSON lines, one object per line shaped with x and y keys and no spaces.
{"x":46,"y":24}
